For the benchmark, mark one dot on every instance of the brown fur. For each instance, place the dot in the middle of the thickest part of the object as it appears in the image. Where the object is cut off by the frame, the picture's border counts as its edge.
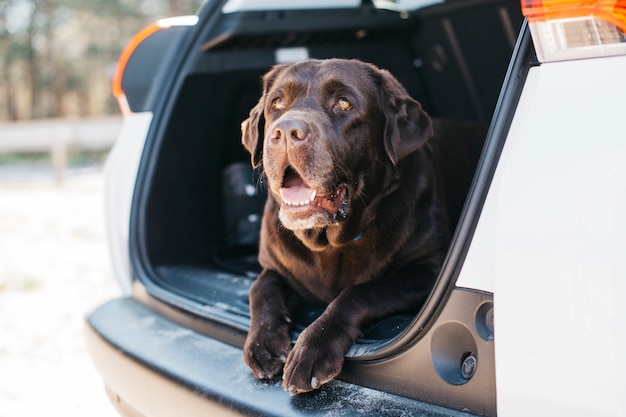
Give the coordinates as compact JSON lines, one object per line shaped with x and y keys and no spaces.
{"x":372,"y":242}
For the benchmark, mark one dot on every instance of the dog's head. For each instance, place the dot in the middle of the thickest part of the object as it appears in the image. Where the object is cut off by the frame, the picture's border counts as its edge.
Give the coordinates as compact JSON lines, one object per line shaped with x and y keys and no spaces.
{"x":329,"y":135}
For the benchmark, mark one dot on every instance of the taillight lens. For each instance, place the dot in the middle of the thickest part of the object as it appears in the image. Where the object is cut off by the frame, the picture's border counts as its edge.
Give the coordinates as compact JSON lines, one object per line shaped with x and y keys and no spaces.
{"x":572,"y":29}
{"x":135,"y":42}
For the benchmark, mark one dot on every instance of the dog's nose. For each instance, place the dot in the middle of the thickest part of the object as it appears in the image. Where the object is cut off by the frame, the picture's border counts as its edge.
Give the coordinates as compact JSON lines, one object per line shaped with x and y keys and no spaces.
{"x":293,"y":130}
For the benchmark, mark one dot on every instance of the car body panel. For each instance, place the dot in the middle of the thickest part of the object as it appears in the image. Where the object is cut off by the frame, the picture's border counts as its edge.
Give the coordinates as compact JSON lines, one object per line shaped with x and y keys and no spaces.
{"x":120,"y":172}
{"x":232,"y":6}
{"x":551,"y":244}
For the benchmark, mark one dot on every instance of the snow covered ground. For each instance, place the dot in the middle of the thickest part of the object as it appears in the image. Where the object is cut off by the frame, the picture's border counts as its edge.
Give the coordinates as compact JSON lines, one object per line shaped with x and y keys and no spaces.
{"x":54,"y":268}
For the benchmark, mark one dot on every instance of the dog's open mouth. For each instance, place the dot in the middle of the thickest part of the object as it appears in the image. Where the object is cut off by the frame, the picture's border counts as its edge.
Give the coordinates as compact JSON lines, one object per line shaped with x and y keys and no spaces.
{"x":297,"y":195}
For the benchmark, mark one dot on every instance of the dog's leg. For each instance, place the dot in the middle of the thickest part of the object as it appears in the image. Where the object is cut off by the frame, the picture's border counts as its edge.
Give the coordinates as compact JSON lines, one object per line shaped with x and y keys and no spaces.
{"x":268,"y":342}
{"x":318,"y":354}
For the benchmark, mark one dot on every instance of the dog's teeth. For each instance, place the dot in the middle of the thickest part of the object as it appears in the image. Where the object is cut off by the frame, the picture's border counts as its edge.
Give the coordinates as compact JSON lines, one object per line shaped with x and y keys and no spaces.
{"x":298,"y":203}
{"x":302,"y":203}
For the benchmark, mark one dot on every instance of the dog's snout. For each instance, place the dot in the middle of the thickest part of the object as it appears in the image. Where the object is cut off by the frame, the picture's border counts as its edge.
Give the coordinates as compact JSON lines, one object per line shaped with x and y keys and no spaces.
{"x":293,"y":130}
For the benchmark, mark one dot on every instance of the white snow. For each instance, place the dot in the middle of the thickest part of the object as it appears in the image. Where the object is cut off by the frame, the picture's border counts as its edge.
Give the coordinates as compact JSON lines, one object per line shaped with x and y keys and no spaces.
{"x":54,"y":268}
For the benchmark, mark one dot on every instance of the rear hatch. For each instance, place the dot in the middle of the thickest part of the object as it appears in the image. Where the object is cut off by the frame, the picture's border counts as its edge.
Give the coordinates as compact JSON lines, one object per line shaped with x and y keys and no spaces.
{"x":197,"y":203}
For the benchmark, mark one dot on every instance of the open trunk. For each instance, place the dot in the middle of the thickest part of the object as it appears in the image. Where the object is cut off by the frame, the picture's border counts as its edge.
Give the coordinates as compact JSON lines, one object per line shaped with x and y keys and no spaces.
{"x":199,"y":207}
{"x":198,"y":204}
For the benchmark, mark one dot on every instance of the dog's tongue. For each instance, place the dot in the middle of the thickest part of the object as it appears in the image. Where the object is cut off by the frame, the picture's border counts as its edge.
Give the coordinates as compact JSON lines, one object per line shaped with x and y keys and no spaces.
{"x":295,"y":191}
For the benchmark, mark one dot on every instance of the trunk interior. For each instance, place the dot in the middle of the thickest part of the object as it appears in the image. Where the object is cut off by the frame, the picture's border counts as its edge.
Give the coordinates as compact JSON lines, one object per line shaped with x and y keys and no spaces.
{"x":201,"y":203}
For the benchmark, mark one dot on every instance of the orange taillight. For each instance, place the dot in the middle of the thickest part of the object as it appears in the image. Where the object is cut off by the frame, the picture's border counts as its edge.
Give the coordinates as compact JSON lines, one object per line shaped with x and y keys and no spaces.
{"x":612,"y":11}
{"x":130,"y":48}
{"x":574,"y":29}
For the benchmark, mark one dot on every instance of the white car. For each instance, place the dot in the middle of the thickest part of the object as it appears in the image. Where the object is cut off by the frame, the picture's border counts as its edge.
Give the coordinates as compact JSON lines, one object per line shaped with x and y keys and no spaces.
{"x":527,"y":316}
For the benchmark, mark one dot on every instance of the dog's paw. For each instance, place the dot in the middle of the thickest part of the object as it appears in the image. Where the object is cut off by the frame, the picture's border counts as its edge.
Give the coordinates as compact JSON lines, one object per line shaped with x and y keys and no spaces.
{"x":316,"y":359}
{"x":265,"y":351}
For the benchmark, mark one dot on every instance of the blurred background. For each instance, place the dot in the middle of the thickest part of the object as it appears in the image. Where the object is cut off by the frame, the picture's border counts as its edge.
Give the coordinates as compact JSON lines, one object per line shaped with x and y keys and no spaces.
{"x":58,"y":121}
{"x":58,"y":56}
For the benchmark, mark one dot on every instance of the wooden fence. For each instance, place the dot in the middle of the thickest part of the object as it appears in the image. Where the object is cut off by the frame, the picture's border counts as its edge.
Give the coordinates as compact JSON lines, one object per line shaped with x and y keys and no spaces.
{"x":59,"y":136}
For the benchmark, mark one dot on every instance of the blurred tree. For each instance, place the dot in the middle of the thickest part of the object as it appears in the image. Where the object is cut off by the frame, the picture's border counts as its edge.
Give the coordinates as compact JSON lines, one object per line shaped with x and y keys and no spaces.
{"x":57,"y":56}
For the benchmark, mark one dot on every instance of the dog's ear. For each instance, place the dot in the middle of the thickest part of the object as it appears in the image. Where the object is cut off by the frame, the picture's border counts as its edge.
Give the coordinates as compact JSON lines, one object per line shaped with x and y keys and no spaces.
{"x":407,"y":126}
{"x":253,"y":128}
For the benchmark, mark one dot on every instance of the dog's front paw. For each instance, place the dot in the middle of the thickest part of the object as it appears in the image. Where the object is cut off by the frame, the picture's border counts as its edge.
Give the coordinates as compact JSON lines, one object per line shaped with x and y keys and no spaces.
{"x":316,"y":359}
{"x":266,"y":350}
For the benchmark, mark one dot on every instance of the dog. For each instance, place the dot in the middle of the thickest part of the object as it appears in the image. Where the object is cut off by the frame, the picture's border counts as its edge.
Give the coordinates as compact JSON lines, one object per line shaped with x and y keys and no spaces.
{"x":356,"y":218}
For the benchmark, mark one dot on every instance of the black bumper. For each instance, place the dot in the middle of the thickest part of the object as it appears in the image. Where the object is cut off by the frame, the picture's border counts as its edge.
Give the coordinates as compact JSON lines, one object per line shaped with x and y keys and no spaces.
{"x":154,"y":367}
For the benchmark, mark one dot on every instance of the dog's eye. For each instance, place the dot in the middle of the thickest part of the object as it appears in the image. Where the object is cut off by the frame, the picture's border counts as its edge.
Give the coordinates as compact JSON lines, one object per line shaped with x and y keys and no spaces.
{"x":278,"y":104}
{"x":343,"y":103}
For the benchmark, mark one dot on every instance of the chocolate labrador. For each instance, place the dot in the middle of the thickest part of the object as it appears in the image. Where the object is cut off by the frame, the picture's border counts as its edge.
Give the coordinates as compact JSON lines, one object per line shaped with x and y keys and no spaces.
{"x":356,"y":218}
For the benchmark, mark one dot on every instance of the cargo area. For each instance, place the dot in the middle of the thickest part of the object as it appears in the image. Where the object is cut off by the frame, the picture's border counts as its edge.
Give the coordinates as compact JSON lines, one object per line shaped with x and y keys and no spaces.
{"x":201,"y":203}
